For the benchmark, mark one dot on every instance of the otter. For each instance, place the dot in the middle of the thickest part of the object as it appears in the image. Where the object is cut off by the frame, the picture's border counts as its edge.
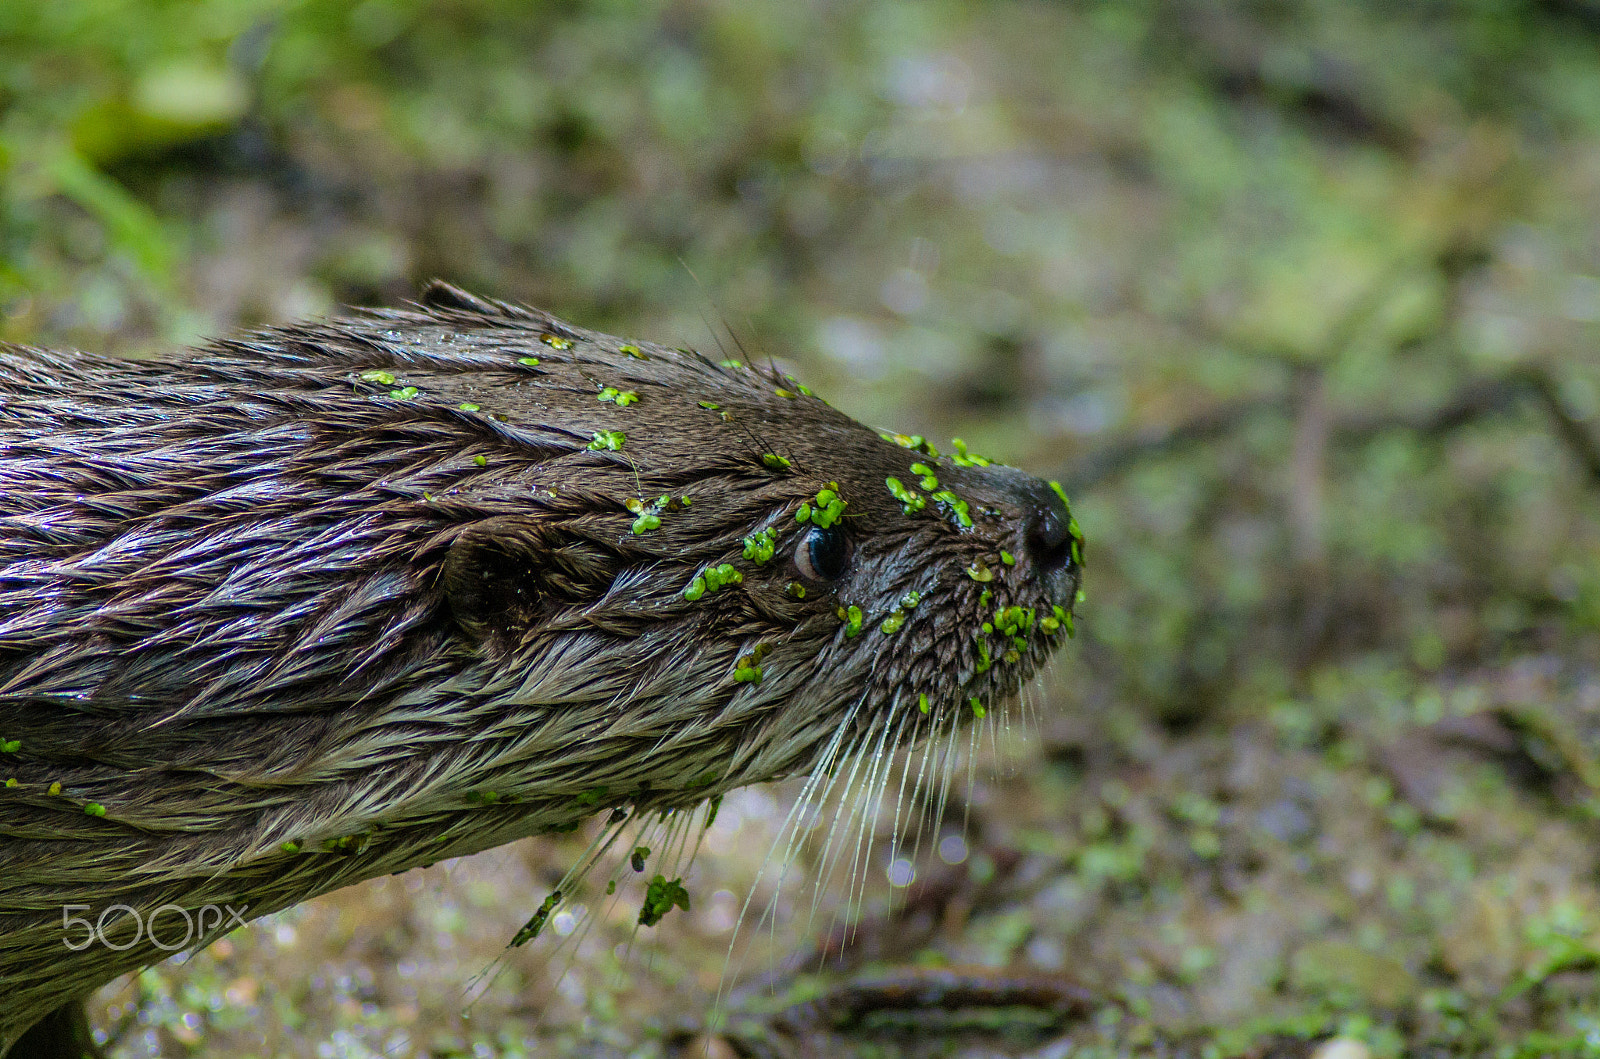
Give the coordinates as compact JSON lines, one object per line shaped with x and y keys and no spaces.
{"x":329,"y":601}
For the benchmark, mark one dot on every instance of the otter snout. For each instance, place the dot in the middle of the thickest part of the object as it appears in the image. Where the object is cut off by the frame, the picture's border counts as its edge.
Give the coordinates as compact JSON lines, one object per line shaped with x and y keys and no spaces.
{"x":1046,"y":529}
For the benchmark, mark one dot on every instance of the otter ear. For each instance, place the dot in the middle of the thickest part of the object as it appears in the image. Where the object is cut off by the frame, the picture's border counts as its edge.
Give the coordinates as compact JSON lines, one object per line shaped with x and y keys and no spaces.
{"x":504,"y":576}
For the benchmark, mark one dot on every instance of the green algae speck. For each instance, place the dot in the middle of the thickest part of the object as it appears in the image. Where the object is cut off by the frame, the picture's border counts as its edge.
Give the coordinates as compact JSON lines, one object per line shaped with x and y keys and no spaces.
{"x":709,"y":405}
{"x":911,"y":501}
{"x":978,"y":709}
{"x":790,"y":394}
{"x":714,"y":578}
{"x":94,"y":809}
{"x":963,"y":458}
{"x":529,"y":361}
{"x":10,"y":746}
{"x":727,"y":363}
{"x":760,"y":547}
{"x":852,"y":618}
{"x":531,"y":928}
{"x":468,"y":406}
{"x":795,"y":590}
{"x":55,"y":788}
{"x":914,"y":442}
{"x":661,"y":896}
{"x":776,"y":462}
{"x":824,"y":509}
{"x":481,"y":460}
{"x":634,"y":351}
{"x":1007,"y":558}
{"x":922,"y":702}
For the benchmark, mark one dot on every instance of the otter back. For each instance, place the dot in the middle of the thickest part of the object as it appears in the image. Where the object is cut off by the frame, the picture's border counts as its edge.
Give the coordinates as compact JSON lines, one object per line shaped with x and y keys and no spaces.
{"x":329,"y":601}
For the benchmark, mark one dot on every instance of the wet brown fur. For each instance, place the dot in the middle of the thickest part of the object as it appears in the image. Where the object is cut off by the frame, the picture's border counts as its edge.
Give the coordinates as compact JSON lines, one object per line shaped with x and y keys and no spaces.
{"x":279,"y":625}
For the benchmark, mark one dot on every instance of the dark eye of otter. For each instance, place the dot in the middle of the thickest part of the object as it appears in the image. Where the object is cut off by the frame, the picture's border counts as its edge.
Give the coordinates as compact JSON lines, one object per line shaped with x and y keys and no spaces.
{"x":823,"y":554}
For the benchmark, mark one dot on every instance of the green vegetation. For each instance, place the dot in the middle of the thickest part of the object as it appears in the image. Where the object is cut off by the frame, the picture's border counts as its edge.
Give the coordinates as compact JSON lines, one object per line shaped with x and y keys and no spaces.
{"x":1299,"y":301}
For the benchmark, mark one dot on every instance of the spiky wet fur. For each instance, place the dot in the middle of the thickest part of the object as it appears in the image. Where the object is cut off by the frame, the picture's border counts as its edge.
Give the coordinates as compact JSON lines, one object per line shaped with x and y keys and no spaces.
{"x":273,"y":629}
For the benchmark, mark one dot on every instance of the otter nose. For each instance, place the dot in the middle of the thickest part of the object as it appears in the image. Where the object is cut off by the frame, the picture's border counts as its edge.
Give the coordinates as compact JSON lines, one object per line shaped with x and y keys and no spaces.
{"x":1047,"y":529}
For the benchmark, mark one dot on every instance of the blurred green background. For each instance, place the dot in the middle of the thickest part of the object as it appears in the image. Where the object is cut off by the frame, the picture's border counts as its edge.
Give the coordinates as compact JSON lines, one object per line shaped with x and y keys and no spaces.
{"x":1299,"y":298}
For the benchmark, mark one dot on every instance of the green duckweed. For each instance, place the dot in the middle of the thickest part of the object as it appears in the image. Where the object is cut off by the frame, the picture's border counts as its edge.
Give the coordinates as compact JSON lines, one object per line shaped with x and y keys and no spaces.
{"x":608,"y":440}
{"x":911,"y":501}
{"x":661,"y":896}
{"x":468,"y":406}
{"x":529,"y":361}
{"x":713,"y":579}
{"x":536,"y":922}
{"x":381,"y":377}
{"x":759,"y":547}
{"x":556,"y":341}
{"x":621,"y":398}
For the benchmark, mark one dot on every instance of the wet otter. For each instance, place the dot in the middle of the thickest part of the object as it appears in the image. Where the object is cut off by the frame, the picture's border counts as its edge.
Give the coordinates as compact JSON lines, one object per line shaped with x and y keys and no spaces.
{"x":334,"y":600}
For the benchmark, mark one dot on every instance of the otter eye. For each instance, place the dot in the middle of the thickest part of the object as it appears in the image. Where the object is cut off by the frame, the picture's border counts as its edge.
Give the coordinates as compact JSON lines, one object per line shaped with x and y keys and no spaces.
{"x":823,"y":554}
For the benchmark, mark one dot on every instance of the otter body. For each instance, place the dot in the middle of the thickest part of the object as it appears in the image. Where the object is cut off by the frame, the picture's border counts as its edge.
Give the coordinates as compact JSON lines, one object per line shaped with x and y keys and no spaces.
{"x":331,"y":601}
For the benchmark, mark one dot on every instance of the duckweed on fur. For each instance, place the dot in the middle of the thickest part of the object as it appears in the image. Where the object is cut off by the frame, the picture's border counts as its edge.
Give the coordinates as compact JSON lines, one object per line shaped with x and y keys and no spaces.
{"x":611,"y":440}
{"x":759,"y":547}
{"x":621,"y":398}
{"x":714,"y":578}
{"x":823,"y":510}
{"x":660,"y":897}
{"x":911,"y":501}
{"x":529,"y":361}
{"x":536,"y":922}
{"x":556,"y":341}
{"x":381,"y":377}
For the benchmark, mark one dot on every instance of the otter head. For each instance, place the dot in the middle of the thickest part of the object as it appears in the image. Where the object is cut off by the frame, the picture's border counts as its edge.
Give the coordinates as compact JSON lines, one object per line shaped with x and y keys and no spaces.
{"x":705,"y":576}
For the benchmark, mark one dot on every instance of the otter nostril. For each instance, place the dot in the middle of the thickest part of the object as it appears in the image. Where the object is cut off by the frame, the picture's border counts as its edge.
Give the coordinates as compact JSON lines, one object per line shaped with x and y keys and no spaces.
{"x":1049,"y":534}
